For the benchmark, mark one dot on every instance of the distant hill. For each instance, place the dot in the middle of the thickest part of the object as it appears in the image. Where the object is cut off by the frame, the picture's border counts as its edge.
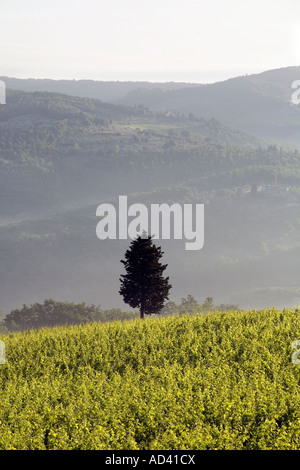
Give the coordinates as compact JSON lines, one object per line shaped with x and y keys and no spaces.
{"x":102,"y":90}
{"x":61,"y":156}
{"x":259,"y":104}
{"x":250,"y":255}
{"x":60,"y":150}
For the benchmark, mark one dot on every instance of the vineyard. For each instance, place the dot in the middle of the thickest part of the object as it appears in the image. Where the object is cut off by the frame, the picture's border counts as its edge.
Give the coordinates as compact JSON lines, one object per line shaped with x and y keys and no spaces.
{"x":212,"y":381}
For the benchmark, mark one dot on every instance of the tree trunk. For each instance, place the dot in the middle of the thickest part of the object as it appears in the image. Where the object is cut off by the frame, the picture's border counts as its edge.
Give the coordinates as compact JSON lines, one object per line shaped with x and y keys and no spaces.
{"x":142,"y":299}
{"x":142,"y":310}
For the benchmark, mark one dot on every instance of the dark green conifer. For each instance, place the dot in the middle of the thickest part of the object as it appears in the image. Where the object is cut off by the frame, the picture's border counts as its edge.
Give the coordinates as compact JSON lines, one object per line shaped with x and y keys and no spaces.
{"x":143,"y":286}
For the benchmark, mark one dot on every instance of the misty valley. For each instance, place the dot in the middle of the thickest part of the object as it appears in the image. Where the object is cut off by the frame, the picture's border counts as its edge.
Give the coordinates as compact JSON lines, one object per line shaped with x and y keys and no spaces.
{"x":68,"y":147}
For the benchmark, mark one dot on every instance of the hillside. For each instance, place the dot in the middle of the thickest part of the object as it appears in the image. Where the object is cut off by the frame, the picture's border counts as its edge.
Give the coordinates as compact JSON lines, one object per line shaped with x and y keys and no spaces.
{"x":61,"y":156}
{"x":223,"y":381}
{"x":53,"y":140}
{"x":59,"y":151}
{"x":259,"y":104}
{"x":250,"y":256}
{"x":107,"y":91}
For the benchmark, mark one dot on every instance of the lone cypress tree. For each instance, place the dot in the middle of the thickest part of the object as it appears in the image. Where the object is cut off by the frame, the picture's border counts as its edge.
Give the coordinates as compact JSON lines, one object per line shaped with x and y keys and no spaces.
{"x":144,"y":285}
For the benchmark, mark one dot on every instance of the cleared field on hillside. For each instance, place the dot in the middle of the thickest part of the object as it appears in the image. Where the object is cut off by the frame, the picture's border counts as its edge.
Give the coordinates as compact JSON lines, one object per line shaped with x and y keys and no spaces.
{"x":213,"y":381}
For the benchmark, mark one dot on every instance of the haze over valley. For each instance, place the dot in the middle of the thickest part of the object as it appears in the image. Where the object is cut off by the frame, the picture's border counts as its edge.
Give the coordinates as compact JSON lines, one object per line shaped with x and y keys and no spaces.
{"x":67,"y":146}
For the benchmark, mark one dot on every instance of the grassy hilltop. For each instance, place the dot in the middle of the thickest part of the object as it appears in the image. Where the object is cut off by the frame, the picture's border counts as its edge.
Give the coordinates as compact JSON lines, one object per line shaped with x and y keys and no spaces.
{"x":212,"y":381}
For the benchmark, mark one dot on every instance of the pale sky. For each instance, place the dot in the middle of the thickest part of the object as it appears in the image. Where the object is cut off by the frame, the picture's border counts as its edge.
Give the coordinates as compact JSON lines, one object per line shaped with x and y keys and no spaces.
{"x":147,"y":40}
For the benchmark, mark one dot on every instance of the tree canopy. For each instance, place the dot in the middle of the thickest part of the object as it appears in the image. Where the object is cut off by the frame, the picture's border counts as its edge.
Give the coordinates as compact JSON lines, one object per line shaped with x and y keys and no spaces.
{"x":52,"y":313}
{"x":143,"y":285}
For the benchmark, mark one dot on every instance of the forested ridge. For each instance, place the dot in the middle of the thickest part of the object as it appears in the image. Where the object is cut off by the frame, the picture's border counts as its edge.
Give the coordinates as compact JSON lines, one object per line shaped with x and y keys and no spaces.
{"x":60,"y":156}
